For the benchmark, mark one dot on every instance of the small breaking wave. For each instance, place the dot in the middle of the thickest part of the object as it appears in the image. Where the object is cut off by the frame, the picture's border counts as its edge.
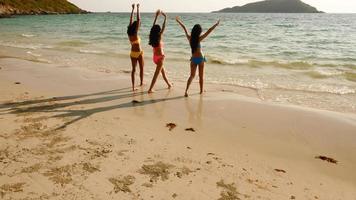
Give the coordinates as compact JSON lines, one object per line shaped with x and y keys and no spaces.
{"x":20,"y":46}
{"x":285,"y":25}
{"x":33,"y":54}
{"x":261,"y":63}
{"x":296,"y":65}
{"x":350,"y":76}
{"x":324,"y":73}
{"x":25,"y":46}
{"x":86,"y":51}
{"x":319,"y":88}
{"x":27,"y":35}
{"x":72,"y":43}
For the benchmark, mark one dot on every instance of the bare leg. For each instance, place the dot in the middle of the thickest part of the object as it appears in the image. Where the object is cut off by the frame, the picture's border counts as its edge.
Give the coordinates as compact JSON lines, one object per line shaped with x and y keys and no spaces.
{"x":165,"y":77}
{"x":133,"y":72}
{"x":193,"y":69}
{"x":155,"y":76}
{"x":201,"y":77}
{"x":141,"y":62}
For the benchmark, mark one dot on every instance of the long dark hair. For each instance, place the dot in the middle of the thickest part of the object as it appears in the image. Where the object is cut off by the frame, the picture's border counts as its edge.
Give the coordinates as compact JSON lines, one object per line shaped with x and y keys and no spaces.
{"x":155,"y":35}
{"x":194,"y":37}
{"x":132,"y":29}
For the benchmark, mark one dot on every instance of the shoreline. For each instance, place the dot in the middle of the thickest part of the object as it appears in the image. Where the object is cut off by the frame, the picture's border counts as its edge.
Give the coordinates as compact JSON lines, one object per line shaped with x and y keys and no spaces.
{"x":271,"y":88}
{"x":63,"y":119}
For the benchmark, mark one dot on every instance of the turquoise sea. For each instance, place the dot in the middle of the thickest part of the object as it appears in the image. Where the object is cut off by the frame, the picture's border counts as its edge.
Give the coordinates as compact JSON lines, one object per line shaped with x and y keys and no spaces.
{"x":301,"y":59}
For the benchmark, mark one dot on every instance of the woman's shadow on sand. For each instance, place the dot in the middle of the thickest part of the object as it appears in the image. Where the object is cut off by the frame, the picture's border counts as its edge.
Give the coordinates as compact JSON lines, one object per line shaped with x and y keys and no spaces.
{"x":61,"y":109}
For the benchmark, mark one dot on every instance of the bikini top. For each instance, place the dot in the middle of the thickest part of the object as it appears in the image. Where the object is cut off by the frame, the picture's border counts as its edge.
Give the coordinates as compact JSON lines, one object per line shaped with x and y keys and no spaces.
{"x":138,"y":41}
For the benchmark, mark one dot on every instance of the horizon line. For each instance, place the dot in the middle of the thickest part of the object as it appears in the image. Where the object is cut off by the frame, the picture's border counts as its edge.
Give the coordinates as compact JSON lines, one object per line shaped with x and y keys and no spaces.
{"x":213,"y":12}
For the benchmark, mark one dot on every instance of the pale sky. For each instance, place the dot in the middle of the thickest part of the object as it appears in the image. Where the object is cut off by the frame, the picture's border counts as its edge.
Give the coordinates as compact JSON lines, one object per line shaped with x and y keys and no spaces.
{"x":330,"y":6}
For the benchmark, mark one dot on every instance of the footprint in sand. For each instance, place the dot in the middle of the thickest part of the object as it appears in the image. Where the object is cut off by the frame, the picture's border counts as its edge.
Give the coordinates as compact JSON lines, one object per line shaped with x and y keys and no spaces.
{"x":63,"y":175}
{"x":148,"y":185}
{"x":228,"y":192}
{"x":121,"y":184}
{"x":122,"y":152}
{"x":156,"y":171}
{"x":10,"y":188}
{"x":184,"y":171}
{"x":60,"y":175}
{"x":31,"y":169}
{"x":90,"y":168}
{"x":34,"y":130}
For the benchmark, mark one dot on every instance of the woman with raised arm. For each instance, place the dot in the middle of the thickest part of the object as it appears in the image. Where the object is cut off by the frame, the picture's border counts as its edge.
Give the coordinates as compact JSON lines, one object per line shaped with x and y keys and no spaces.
{"x":158,"y":54}
{"x":197,"y":58}
{"x":136,"y":54}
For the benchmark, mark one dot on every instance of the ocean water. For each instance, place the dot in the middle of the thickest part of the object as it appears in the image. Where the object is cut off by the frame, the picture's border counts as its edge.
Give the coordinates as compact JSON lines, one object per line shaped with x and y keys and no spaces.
{"x":300,"y":59}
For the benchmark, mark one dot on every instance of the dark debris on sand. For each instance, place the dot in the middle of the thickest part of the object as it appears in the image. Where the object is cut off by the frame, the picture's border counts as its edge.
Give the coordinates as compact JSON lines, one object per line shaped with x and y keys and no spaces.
{"x":171,"y":126}
{"x":280,"y":170}
{"x":330,"y":160}
{"x":190,"y":129}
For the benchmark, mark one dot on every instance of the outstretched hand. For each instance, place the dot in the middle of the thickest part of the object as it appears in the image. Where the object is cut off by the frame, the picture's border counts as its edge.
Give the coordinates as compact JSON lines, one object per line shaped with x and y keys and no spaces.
{"x":158,"y":12}
{"x":218,"y":22}
{"x":164,"y":14}
{"x":138,"y":5}
{"x":133,"y":6}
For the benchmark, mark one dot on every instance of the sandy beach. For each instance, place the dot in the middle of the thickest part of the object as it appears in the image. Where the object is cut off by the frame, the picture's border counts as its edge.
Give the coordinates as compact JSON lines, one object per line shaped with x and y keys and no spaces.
{"x":71,"y":133}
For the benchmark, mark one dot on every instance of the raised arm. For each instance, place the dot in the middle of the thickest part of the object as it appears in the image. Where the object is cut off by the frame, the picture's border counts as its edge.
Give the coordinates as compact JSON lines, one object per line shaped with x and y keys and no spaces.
{"x":209,"y":31}
{"x":132,"y":12}
{"x":164,"y":22}
{"x":138,"y":17}
{"x":157,"y":13}
{"x":184,"y":28}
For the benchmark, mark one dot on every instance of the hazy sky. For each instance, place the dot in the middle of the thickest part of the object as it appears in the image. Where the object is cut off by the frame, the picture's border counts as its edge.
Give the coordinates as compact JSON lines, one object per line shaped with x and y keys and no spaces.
{"x":332,"y":6}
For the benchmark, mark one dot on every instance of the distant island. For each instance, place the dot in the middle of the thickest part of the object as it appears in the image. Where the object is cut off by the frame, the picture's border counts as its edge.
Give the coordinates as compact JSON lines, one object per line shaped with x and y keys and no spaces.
{"x":272,"y":6}
{"x":37,"y":7}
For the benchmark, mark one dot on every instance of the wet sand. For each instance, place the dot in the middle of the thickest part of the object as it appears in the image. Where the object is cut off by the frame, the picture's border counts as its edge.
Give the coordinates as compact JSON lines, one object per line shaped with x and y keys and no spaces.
{"x":70,"y":133}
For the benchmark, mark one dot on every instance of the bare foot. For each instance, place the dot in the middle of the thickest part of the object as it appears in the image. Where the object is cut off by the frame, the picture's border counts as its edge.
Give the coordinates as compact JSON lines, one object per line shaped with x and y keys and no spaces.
{"x":170,"y":86}
{"x":201,"y":92}
{"x":134,"y":89}
{"x":150,"y":91}
{"x":186,"y":94}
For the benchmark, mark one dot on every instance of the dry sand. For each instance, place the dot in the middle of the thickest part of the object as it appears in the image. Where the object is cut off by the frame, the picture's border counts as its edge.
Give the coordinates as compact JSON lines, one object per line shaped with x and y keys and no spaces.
{"x":68,"y":133}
